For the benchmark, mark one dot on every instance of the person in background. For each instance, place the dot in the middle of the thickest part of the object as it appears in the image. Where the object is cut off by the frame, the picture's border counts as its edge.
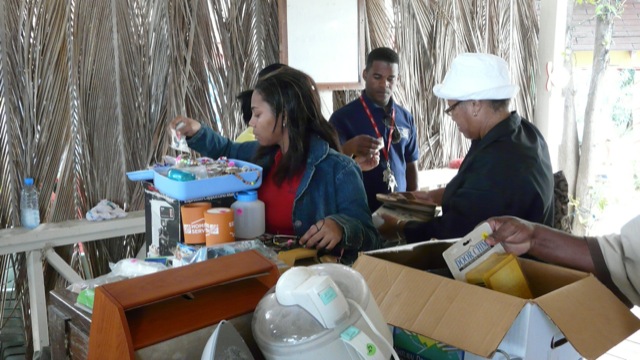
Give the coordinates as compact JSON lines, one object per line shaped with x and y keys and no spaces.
{"x":507,"y":170}
{"x":379,"y":133}
{"x":310,"y":189}
{"x":613,"y":259}
{"x":245,"y":104}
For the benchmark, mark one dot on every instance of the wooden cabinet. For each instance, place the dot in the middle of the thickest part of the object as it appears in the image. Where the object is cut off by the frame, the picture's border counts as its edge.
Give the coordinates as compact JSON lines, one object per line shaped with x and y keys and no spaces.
{"x":139,"y":312}
{"x":68,"y":326}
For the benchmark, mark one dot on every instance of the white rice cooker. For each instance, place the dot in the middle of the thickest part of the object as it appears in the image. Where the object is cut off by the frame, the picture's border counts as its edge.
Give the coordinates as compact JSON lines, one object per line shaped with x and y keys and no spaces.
{"x":323,"y":311}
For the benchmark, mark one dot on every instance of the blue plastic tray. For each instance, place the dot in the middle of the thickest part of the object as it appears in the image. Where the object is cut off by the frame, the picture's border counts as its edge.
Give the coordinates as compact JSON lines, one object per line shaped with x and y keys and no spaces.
{"x":196,"y":189}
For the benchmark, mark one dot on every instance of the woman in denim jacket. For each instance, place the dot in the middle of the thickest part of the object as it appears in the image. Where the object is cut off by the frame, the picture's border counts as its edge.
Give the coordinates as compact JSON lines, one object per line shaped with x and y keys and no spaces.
{"x":310,"y":190}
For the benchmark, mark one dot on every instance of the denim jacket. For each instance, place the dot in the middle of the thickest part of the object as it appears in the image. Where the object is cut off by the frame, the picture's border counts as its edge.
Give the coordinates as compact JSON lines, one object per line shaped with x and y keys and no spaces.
{"x":330,"y":187}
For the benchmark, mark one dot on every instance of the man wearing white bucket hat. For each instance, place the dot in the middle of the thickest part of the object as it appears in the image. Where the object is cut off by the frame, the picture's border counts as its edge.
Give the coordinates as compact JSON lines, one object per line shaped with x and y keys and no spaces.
{"x":507,"y":170}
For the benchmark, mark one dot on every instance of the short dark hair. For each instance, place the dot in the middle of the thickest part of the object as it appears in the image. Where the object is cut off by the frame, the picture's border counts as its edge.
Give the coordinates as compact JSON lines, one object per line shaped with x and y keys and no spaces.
{"x":245,"y":105}
{"x":382,"y":54}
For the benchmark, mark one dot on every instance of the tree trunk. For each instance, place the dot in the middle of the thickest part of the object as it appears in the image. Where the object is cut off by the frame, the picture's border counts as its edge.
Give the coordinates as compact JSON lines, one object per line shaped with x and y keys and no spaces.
{"x":604,"y":30}
{"x":569,"y":153}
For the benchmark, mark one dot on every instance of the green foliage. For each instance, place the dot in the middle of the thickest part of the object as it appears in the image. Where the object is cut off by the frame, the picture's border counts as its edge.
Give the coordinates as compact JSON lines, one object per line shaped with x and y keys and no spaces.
{"x":602,"y":204}
{"x":621,"y":112}
{"x":605,"y":8}
{"x":617,"y":100}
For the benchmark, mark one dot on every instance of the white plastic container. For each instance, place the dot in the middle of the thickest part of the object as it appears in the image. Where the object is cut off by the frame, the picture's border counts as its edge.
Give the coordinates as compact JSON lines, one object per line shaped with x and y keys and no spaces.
{"x":248,"y":215}
{"x":289,"y":332}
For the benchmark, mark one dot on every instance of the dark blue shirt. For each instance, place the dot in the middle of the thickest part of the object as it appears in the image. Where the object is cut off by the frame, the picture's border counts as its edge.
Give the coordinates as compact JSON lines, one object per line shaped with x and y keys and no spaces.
{"x":352,"y":120}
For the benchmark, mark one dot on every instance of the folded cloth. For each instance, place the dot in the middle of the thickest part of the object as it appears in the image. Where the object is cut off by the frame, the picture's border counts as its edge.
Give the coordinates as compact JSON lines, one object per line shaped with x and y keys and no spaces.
{"x":105,"y":210}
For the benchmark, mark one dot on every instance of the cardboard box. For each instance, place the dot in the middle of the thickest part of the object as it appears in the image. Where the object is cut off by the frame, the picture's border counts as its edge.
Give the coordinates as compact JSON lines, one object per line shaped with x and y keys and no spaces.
{"x":571,"y":315}
{"x":163,"y":220}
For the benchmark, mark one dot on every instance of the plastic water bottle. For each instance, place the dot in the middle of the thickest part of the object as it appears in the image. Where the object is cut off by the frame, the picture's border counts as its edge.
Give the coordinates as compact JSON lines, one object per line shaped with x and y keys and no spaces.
{"x":248,"y":215}
{"x":29,"y":209}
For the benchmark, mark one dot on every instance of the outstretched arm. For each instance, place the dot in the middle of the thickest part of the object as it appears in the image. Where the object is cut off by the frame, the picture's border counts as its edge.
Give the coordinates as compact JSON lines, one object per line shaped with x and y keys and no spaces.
{"x":547,"y":244}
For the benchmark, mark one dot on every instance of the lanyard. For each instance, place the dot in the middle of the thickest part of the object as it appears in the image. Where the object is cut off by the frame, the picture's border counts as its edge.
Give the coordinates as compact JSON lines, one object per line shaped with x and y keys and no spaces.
{"x":385,"y":150}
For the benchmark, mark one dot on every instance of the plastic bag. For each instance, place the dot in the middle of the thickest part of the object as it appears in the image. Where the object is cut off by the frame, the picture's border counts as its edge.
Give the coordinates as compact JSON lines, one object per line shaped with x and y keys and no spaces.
{"x":122,"y":270}
{"x":130,"y":268}
{"x":190,"y":255}
{"x":179,"y":142}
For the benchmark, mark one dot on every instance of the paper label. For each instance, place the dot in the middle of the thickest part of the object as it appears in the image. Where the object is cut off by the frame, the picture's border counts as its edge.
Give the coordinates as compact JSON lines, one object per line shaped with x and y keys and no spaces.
{"x":470,"y":251}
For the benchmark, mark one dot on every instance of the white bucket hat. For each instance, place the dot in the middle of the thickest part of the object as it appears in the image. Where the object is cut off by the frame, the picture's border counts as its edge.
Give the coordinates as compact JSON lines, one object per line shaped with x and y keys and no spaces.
{"x":476,"y":76}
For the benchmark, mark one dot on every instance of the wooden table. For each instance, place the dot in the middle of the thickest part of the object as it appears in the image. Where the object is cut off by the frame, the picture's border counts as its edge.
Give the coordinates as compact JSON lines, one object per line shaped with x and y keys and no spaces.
{"x":39,"y":243}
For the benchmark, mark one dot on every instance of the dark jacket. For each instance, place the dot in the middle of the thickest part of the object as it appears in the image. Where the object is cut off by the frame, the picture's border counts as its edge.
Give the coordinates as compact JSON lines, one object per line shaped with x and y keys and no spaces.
{"x":508,"y":172}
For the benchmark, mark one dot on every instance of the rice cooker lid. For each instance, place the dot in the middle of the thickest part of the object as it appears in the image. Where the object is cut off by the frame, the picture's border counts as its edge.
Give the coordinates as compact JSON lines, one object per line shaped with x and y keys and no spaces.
{"x":285,"y":325}
{"x":276,"y":324}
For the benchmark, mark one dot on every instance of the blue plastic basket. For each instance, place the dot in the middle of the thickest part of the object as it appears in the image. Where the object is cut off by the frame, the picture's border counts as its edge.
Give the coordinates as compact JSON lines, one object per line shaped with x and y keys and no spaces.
{"x":188,"y":190}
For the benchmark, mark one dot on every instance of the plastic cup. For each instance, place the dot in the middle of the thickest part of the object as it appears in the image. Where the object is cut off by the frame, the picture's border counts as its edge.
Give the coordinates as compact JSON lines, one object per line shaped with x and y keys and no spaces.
{"x":219,"y":226}
{"x":193,"y":223}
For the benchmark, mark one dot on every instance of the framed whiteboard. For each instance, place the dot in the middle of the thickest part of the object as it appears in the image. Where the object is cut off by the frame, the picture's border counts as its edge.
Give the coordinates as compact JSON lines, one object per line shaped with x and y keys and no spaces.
{"x":325,"y":39}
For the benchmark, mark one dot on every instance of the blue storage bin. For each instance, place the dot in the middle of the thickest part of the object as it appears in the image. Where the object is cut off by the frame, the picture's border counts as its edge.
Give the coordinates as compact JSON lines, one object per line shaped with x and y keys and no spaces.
{"x":195,"y":189}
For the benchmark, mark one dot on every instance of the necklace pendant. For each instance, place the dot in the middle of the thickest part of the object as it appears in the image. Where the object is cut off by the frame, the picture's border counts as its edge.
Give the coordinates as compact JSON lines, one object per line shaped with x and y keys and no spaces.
{"x":389,"y":178}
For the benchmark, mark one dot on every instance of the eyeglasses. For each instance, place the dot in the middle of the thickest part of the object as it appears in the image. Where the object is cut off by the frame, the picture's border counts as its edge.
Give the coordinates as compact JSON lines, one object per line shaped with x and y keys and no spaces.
{"x":450,"y":109}
{"x":389,"y":123}
{"x":280,"y":242}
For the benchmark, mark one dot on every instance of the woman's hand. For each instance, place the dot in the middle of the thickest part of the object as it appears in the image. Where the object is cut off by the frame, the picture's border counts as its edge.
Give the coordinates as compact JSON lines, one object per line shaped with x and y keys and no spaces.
{"x":185,"y":126}
{"x":324,"y":234}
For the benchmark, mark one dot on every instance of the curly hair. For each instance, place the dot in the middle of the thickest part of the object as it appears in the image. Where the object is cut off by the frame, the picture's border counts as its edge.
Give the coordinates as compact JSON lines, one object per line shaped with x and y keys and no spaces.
{"x":382,"y":54}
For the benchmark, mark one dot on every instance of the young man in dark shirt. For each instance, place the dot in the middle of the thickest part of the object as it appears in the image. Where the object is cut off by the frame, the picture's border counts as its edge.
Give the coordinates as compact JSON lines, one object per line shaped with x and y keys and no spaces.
{"x":378,"y":132}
